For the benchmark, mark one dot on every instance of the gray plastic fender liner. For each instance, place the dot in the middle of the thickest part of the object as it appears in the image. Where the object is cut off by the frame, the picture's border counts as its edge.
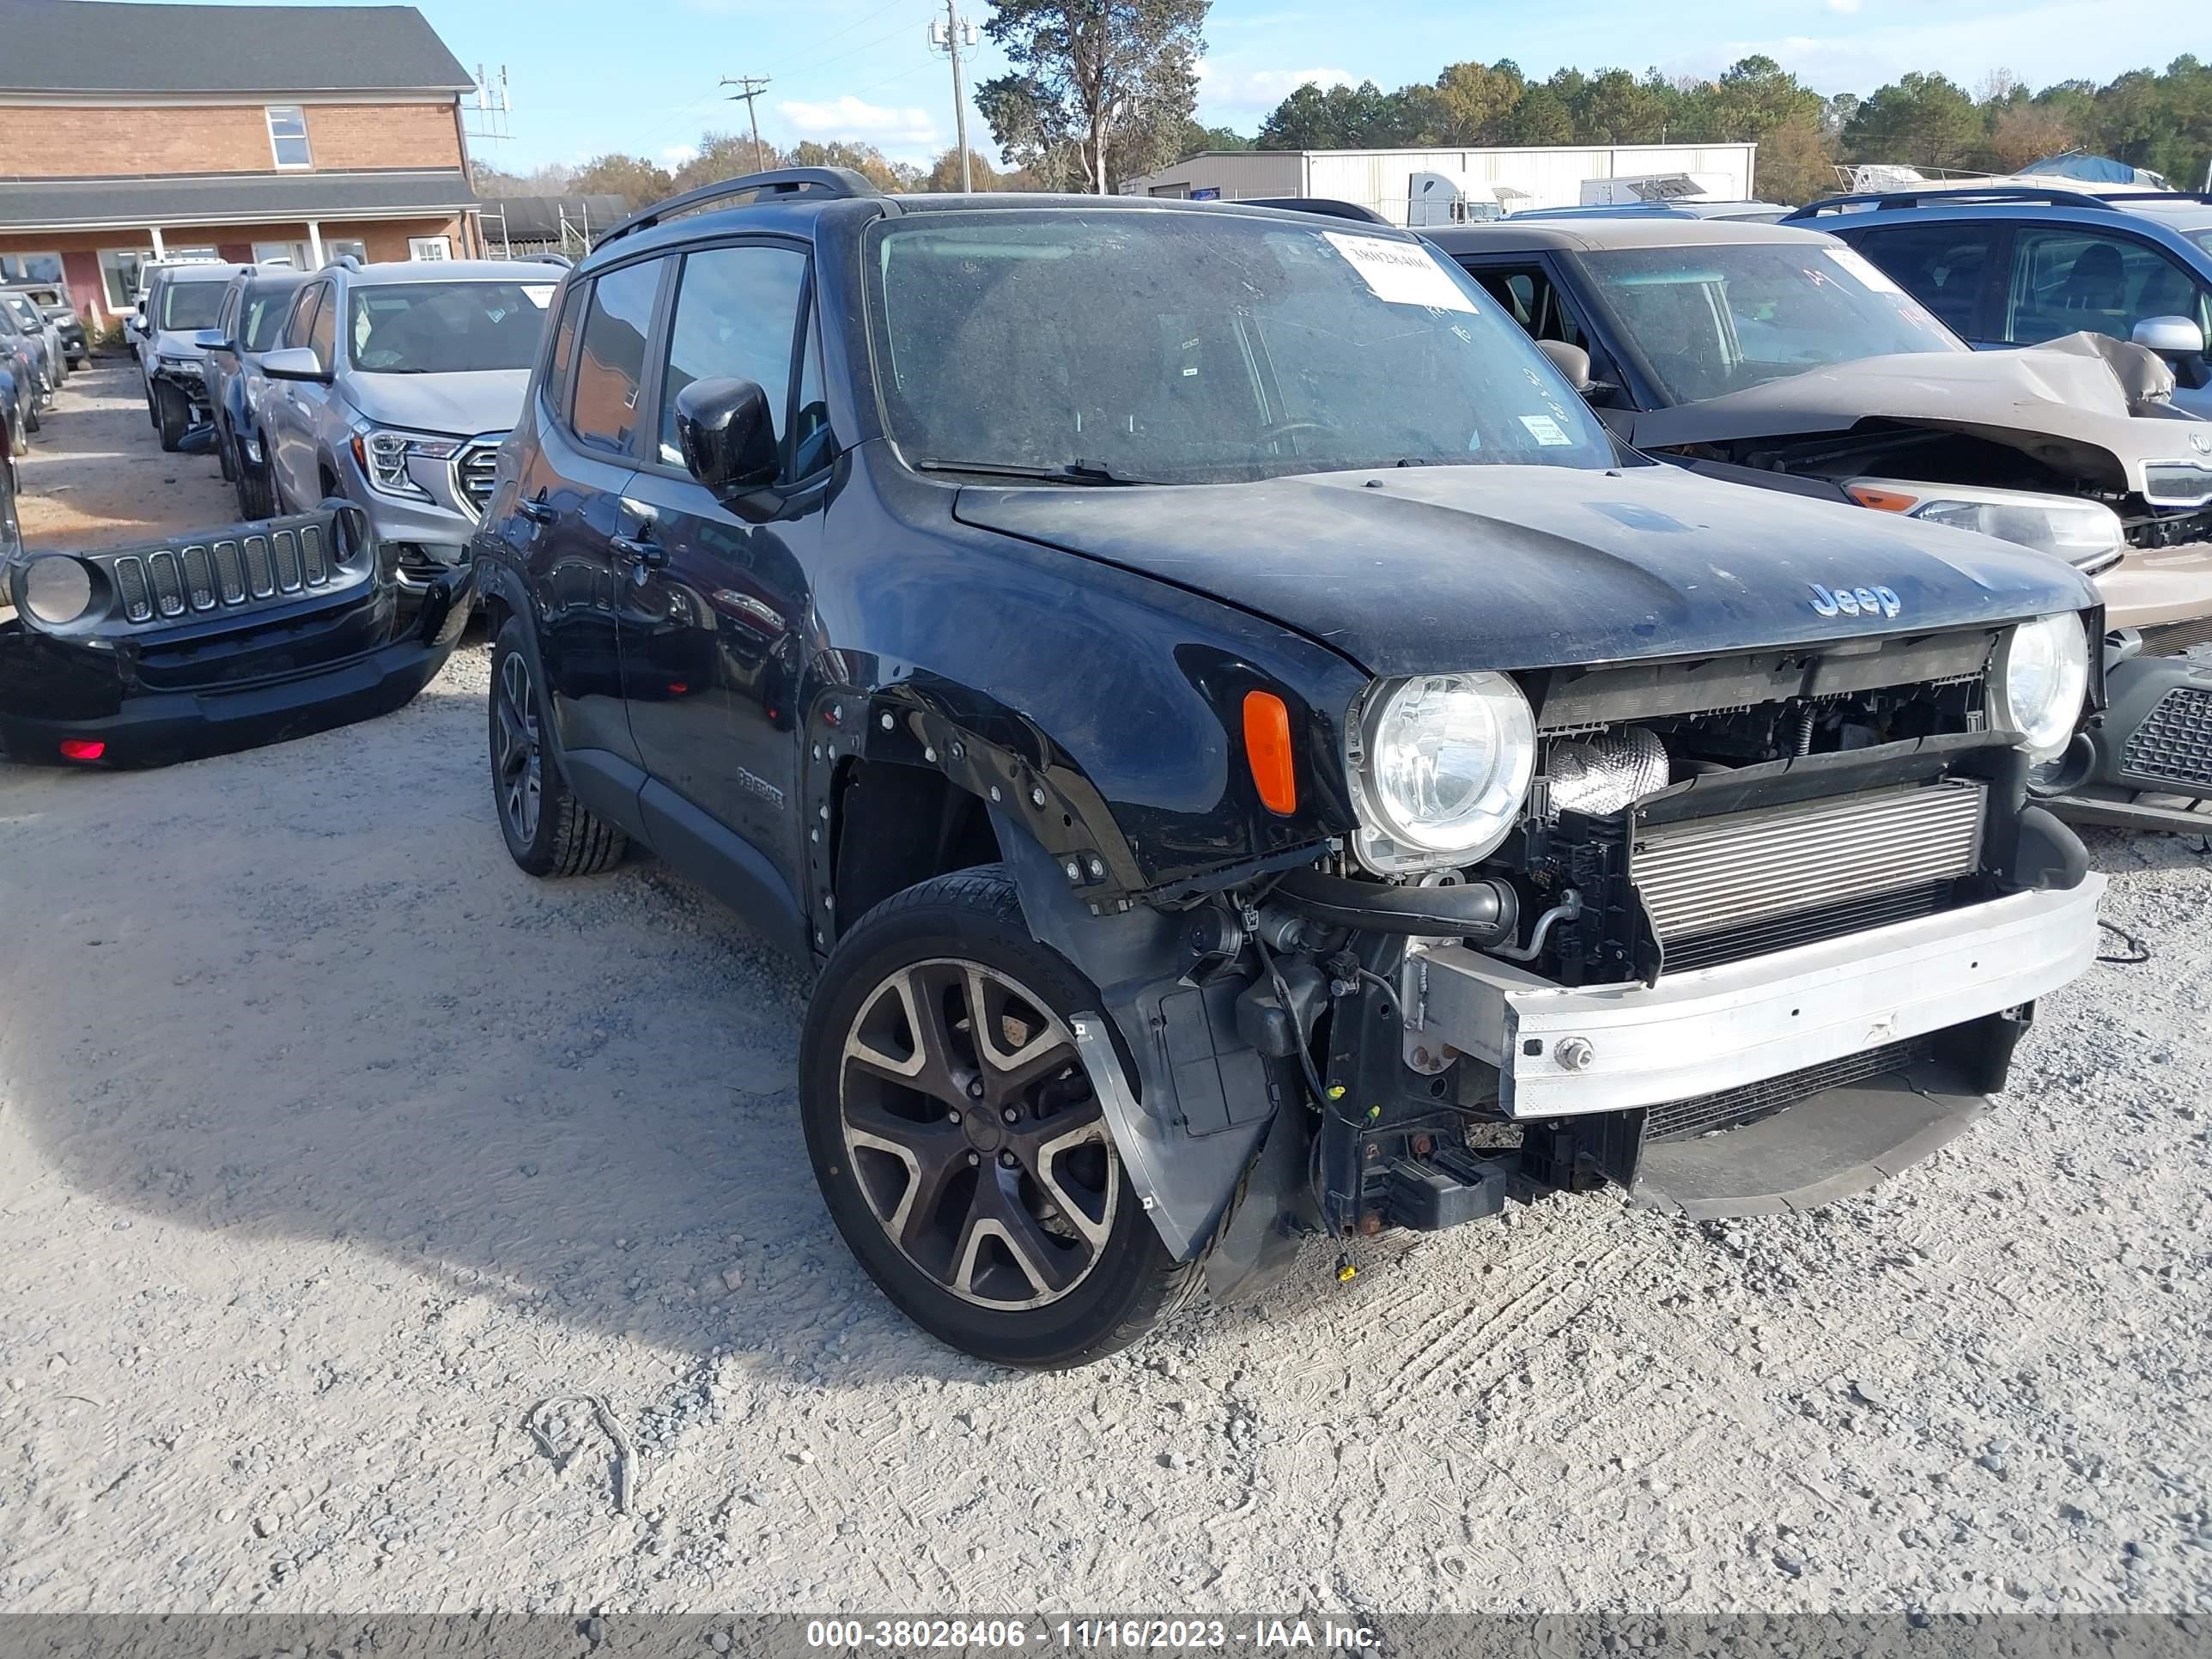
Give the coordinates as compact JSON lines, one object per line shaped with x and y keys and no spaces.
{"x":1184,"y":1165}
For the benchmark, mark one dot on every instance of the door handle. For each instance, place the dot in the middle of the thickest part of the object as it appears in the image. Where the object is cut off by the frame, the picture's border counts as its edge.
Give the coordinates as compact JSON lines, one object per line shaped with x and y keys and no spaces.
{"x":536,"y":508}
{"x":644,"y":555}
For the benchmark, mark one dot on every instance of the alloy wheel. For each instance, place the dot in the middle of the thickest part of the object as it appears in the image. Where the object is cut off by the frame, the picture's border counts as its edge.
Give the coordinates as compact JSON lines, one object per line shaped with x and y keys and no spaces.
{"x":520,"y":760}
{"x":975,"y":1136}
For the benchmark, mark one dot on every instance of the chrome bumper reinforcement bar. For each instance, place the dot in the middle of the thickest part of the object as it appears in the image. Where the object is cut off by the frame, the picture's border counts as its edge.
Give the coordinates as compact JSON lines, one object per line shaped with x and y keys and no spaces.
{"x":1611,"y":1047}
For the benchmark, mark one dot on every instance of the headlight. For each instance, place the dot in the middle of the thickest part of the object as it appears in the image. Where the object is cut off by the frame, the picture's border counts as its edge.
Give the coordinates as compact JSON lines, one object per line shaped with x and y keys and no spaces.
{"x":2037,"y":683}
{"x":56,"y":590}
{"x":190,"y":366}
{"x":1440,"y":764}
{"x":2083,"y":533}
{"x":383,"y":457}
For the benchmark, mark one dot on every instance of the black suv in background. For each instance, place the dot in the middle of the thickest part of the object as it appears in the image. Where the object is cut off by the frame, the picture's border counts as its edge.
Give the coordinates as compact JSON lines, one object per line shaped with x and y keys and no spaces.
{"x":1250,"y":755}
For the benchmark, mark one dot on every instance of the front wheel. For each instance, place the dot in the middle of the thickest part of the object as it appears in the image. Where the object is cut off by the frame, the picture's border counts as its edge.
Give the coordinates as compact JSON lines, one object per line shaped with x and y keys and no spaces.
{"x":958,"y":1142}
{"x":173,"y":415}
{"x":256,"y":500}
{"x":549,"y":832}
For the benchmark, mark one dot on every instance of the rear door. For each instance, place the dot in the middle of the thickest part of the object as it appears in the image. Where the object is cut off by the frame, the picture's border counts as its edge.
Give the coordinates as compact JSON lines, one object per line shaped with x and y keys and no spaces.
{"x":288,"y":410}
{"x":715,"y":642}
{"x":569,"y":493}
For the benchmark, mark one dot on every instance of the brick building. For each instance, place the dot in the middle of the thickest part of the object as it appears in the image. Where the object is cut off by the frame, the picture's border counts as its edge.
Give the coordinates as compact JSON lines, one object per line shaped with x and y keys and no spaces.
{"x":131,"y":132}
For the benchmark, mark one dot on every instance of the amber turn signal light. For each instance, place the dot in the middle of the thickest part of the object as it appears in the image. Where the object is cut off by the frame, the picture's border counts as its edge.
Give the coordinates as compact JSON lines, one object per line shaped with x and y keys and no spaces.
{"x":1267,"y":749}
{"x":1882,"y":501}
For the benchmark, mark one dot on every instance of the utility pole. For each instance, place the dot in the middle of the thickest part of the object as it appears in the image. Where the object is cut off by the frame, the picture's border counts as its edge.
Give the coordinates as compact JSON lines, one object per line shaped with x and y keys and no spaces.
{"x":950,"y":36}
{"x":750,"y":87}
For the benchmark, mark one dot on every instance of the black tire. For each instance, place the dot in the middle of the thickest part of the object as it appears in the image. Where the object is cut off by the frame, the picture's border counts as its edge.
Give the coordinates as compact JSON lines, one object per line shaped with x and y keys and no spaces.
{"x":548,"y":831}
{"x":225,"y":454}
{"x":1120,"y":1279}
{"x":256,"y":500}
{"x":32,"y":419}
{"x":173,"y":415}
{"x":153,"y":415}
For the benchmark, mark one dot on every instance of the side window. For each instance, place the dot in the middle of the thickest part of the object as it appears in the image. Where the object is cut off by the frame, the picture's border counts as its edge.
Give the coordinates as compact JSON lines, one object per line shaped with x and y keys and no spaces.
{"x":303,"y":316}
{"x":322,"y":332}
{"x":227,"y":319}
{"x":812,"y":447}
{"x":1533,"y":301}
{"x":564,"y":343}
{"x":611,"y":358}
{"x":2065,"y":279}
{"x":736,"y":319}
{"x":1943,"y":266}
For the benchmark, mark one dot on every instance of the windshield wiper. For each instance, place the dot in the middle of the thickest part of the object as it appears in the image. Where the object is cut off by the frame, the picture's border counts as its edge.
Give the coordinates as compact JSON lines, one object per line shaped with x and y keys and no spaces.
{"x":1075,"y":472}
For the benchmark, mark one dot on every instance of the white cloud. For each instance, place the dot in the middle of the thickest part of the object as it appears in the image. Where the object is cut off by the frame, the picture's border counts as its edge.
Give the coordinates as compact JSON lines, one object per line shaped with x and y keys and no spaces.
{"x":848,"y":116}
{"x":1846,"y":7}
{"x":1228,"y":91}
{"x":677,"y":155}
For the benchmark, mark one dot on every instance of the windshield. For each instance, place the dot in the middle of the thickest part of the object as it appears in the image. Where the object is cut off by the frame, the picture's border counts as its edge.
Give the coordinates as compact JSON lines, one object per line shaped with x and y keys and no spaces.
{"x":23,"y":311}
{"x":1714,"y":317}
{"x":187,"y":305}
{"x":2203,"y":238}
{"x":447,"y":328}
{"x":261,"y":319}
{"x":1186,"y":347}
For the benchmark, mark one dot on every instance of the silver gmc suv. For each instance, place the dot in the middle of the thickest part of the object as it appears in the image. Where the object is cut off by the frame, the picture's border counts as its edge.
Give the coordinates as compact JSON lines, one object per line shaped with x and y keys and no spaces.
{"x":394,"y":388}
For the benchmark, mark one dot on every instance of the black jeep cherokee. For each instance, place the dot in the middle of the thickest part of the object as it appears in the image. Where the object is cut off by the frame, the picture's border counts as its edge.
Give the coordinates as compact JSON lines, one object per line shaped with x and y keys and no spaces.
{"x":1249,"y":753}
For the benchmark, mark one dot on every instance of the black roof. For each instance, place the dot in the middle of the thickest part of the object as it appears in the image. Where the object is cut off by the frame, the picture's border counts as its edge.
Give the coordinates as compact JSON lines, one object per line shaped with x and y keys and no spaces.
{"x":539,"y":218}
{"x":96,"y":46}
{"x":240,"y":197}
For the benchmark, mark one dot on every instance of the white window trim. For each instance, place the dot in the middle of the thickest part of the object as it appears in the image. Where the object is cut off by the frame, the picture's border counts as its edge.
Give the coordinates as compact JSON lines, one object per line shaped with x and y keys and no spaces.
{"x":269,"y":120}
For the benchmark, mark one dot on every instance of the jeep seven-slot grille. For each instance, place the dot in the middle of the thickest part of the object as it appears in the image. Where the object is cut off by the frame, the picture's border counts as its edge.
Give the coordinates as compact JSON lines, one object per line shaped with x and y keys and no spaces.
{"x":224,"y":574}
{"x":2175,"y":743}
{"x":1731,"y":1108}
{"x":1707,"y":877}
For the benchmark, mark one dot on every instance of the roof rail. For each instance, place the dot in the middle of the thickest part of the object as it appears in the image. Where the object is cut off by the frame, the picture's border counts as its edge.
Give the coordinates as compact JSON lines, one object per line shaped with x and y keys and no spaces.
{"x":779,"y":183}
{"x":2124,"y":197}
{"x":1941,"y":198}
{"x":561,"y":260}
{"x":349,"y":261}
{"x":1324,"y":204}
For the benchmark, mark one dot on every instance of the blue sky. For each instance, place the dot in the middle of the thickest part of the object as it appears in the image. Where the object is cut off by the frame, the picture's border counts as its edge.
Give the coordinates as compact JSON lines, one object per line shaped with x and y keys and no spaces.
{"x":585,"y":77}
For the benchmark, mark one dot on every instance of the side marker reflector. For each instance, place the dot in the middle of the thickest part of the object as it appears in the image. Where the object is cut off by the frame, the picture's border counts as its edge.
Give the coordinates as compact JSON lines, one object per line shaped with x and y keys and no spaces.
{"x":1267,"y":749}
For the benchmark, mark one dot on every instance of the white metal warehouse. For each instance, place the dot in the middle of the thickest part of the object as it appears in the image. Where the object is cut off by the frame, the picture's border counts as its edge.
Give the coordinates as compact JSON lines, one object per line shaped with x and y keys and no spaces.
{"x":1484,"y":180}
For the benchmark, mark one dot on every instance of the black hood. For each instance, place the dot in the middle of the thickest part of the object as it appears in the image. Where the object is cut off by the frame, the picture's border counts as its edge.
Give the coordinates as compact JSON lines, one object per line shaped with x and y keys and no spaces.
{"x":1430,"y":569}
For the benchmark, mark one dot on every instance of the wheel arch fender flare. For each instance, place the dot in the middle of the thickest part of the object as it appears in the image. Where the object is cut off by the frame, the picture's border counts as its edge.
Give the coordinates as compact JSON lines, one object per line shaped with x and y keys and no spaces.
{"x":1187,"y":1179}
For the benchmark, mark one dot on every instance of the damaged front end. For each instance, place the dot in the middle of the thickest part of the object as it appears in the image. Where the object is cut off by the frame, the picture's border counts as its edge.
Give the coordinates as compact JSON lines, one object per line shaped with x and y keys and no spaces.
{"x":205,"y":644}
{"x":1762,"y":929}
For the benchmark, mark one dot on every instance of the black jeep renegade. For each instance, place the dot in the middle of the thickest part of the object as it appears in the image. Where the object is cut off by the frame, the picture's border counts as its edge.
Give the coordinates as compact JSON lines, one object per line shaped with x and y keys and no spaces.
{"x":1250,"y":757}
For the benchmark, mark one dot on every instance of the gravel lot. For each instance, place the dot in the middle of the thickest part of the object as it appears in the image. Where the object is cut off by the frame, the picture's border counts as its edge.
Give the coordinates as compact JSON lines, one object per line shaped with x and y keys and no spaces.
{"x":331,"y":1145}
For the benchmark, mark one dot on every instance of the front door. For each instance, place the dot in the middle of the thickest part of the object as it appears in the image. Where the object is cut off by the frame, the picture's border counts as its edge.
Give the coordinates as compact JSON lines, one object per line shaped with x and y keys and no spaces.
{"x":714,"y":643}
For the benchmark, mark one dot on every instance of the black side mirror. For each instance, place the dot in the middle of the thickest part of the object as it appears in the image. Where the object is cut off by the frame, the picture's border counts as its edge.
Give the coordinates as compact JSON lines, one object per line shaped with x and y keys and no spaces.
{"x":728,"y":436}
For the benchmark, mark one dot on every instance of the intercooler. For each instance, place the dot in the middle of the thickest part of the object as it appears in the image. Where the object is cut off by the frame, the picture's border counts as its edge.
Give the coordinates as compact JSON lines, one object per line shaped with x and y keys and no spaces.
{"x":1719,"y":889}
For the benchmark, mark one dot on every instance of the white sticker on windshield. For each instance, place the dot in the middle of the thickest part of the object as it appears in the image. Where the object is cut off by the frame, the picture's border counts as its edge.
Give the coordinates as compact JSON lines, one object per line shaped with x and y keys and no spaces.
{"x":1864,"y":269}
{"x":1400,"y":273}
{"x":1545,"y":430}
{"x":541,"y":293}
